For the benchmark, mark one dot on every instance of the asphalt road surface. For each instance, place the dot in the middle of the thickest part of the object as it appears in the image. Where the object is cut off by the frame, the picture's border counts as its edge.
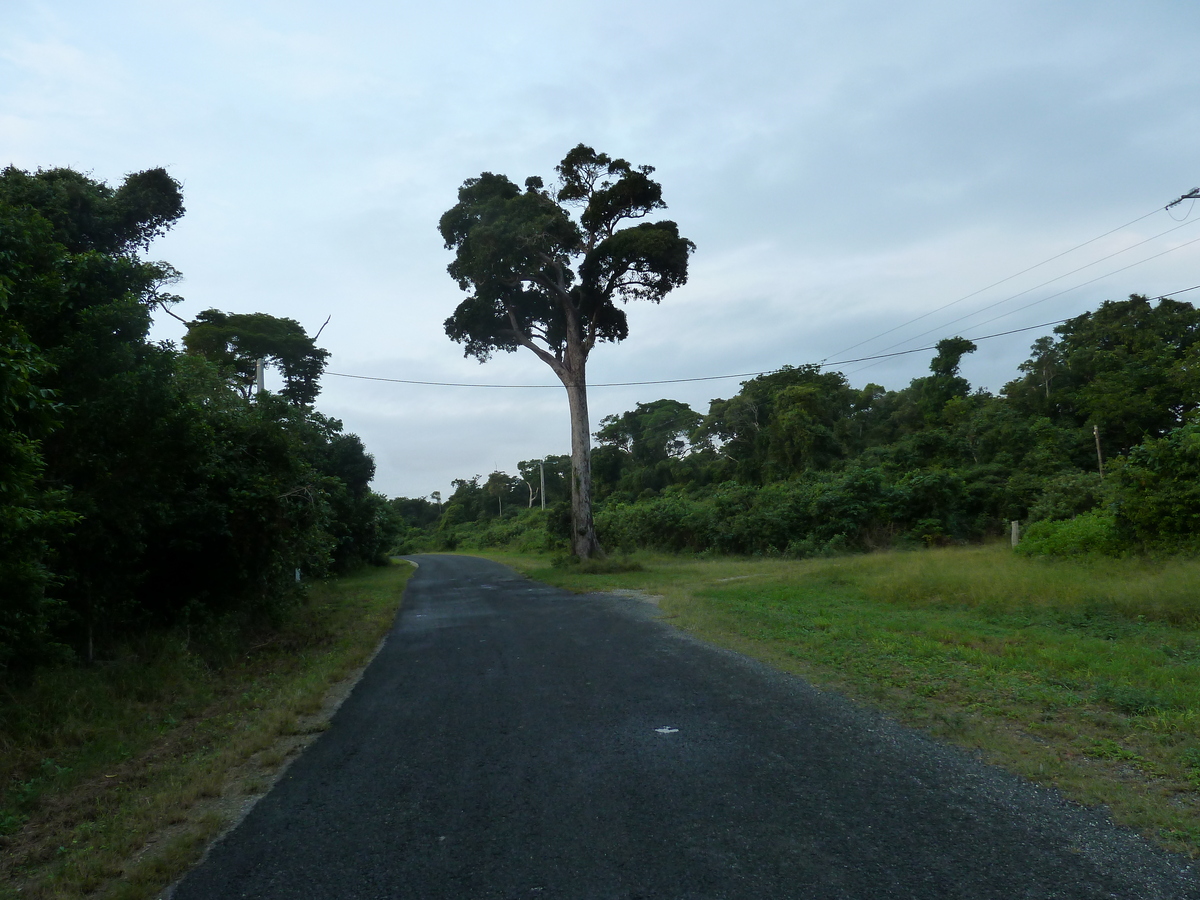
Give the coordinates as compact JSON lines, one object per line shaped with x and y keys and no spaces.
{"x":512,"y":741}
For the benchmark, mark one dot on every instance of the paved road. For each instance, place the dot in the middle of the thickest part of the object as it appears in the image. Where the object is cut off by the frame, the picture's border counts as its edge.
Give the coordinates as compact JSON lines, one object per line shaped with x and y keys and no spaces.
{"x":514,"y":741}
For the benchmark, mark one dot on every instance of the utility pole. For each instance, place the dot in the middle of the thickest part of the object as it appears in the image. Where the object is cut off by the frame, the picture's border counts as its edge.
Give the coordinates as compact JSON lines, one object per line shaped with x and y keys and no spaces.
{"x":258,"y":376}
{"x":542,"y":466}
{"x":1099,"y":457}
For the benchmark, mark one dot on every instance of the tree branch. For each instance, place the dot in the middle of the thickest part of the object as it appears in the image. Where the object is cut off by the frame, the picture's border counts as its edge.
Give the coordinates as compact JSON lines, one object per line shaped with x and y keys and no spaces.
{"x":524,"y":340}
{"x":172,"y":314}
{"x":612,"y":226}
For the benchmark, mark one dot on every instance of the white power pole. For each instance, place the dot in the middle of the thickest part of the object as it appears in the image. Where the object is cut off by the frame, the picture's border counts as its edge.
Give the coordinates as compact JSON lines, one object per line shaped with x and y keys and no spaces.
{"x":258,"y":377}
{"x":542,"y":466}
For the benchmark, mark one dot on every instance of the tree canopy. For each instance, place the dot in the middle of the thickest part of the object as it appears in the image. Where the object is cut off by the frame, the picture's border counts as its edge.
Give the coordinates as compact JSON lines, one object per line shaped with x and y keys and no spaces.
{"x":90,"y":215}
{"x":651,"y":432}
{"x":235,"y":342}
{"x":1131,"y":368}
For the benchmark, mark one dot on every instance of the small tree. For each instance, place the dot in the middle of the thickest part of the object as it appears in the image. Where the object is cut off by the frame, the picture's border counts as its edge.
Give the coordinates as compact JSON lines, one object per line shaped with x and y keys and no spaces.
{"x":652,"y":432}
{"x":552,"y":472}
{"x":237,"y":341}
{"x":500,"y":485}
{"x":541,"y":279}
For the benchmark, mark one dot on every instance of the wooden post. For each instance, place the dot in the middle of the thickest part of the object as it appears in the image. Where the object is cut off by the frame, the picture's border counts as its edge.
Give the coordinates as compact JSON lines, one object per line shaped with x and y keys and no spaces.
{"x":1016,"y":532}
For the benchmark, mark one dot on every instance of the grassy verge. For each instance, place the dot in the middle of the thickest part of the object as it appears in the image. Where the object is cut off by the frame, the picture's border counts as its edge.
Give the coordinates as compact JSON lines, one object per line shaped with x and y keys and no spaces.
{"x":1080,"y":675}
{"x":118,"y":775}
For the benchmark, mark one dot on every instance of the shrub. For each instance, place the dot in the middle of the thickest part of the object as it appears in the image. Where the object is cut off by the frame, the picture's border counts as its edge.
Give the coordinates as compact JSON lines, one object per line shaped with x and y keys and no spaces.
{"x":1092,"y":533}
{"x":1067,"y":496}
{"x":1156,"y":492}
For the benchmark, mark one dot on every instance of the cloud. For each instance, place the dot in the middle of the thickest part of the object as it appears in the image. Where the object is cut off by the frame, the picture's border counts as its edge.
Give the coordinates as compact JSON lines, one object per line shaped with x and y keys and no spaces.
{"x":842,"y":168}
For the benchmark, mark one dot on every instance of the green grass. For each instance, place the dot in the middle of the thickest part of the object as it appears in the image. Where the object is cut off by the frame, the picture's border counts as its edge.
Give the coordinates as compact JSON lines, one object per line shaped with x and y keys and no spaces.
{"x":111,"y":773}
{"x":1084,"y":675}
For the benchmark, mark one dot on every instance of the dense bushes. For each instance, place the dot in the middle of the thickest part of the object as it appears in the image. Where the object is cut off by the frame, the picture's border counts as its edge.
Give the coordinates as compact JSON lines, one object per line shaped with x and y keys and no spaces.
{"x":1150,"y":503}
{"x":856,"y":509}
{"x":139,"y":486}
{"x":799,"y":463}
{"x":1156,"y":491}
{"x":1087,"y":534}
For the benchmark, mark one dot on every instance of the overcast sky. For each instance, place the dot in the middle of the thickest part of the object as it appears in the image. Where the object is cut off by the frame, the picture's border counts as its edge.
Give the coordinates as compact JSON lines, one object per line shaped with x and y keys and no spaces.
{"x":843,"y":168}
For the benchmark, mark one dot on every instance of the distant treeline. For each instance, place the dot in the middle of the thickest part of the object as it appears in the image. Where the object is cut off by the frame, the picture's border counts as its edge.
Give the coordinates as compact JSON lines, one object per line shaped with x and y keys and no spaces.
{"x":144,"y":486}
{"x":800,"y":463}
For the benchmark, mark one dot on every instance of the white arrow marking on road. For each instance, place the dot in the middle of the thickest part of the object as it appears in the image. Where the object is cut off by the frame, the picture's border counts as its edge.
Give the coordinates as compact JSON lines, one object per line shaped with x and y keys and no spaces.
{"x":666,"y":730}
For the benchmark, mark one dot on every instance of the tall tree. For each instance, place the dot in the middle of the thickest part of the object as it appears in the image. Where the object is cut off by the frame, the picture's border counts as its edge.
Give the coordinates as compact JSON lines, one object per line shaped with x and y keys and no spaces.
{"x":545,"y":280}
{"x":553,"y":472}
{"x":933,"y":392}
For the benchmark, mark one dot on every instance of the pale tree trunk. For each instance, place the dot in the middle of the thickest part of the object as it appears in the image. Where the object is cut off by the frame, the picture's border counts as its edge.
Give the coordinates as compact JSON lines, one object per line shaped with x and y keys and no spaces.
{"x":583,"y":530}
{"x":571,"y":368}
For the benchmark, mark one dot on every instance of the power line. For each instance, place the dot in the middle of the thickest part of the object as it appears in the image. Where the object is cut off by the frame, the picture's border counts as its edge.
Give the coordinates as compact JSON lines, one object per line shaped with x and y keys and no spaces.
{"x":1194,"y":193}
{"x":1002,"y":333}
{"x":605,"y":384}
{"x":1052,"y":280}
{"x":823,"y":365}
{"x":1086,"y":283}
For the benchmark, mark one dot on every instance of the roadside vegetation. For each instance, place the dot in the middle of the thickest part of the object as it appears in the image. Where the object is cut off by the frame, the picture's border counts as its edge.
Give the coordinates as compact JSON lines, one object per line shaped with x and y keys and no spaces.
{"x":1083,"y":675}
{"x":117,"y":775}
{"x":145,"y":486}
{"x":1095,"y":444}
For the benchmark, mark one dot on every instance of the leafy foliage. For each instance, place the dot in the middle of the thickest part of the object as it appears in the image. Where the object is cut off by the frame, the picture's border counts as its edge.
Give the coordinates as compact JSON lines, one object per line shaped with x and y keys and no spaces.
{"x":1156,"y":491}
{"x":1129,"y":368}
{"x":137,"y":488}
{"x":799,"y":463}
{"x":1087,"y":534}
{"x":539,"y":278}
{"x":236,"y":343}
